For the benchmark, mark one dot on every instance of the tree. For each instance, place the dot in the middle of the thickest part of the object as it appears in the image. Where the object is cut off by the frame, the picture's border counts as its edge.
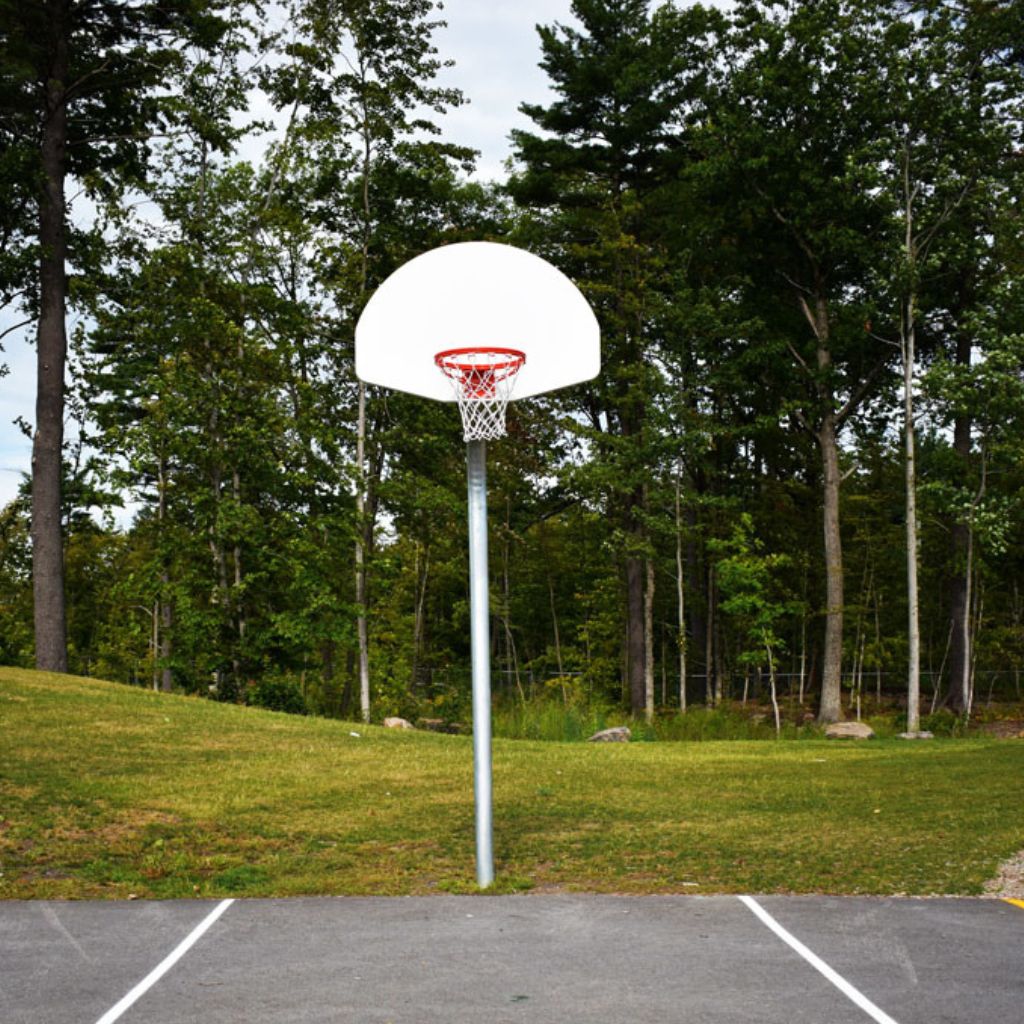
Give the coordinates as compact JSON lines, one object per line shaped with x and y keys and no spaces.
{"x":752,"y":595}
{"x":80,"y":97}
{"x":968,"y":190}
{"x":359,"y":78}
{"x":943,"y":152}
{"x":789,"y":154}
{"x":600,"y":178}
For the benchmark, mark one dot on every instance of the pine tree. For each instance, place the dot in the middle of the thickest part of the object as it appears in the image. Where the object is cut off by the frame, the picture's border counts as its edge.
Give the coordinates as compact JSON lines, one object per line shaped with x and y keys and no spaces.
{"x":601,"y":178}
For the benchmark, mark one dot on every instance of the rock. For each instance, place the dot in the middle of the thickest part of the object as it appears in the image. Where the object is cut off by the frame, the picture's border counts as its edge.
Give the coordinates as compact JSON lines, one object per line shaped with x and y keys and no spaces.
{"x":619,"y":734}
{"x":921,"y":735}
{"x":849,"y":731}
{"x":397,"y":723}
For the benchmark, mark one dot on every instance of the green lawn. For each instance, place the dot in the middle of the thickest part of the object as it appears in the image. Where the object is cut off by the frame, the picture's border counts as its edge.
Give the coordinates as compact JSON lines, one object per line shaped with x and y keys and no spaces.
{"x":107,"y":791}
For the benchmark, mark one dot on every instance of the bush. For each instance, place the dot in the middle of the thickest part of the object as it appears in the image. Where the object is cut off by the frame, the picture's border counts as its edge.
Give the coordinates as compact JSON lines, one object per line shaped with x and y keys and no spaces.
{"x":277,"y":695}
{"x":943,"y":723}
{"x":549,"y":718}
{"x":940,"y":723}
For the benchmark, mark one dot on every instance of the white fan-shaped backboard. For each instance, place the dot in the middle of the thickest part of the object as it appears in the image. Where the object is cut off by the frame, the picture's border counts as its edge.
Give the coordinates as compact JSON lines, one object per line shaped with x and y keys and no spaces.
{"x":477,"y":294}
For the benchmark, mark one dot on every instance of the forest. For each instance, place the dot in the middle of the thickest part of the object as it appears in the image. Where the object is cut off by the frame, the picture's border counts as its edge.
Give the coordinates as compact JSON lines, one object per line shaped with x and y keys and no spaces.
{"x":799,"y":472}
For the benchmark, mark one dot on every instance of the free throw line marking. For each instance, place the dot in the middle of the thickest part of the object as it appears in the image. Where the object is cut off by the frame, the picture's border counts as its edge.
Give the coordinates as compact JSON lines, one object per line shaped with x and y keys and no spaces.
{"x":817,"y":963}
{"x":1016,"y":903}
{"x":166,"y":964}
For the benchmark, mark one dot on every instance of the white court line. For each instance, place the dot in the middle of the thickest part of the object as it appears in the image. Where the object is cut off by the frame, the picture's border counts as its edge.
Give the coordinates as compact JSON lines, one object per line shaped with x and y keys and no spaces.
{"x":817,"y":963}
{"x":166,"y":964}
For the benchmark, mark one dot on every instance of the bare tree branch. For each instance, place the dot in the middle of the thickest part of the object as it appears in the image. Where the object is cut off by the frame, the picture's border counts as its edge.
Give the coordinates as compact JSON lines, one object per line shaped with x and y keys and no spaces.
{"x":861,"y":392}
{"x":799,"y":358}
{"x":11,"y":330}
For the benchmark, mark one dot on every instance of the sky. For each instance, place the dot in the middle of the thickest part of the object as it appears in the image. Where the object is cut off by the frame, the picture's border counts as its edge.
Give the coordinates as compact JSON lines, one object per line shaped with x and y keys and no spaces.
{"x":495,"y":48}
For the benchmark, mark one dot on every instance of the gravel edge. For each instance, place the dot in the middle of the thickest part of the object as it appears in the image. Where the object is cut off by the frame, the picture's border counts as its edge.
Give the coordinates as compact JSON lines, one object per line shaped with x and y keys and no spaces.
{"x":1009,"y":882}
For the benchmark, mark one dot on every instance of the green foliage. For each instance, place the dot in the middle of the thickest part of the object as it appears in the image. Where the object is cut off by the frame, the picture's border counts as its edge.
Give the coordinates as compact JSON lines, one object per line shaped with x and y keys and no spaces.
{"x":943,"y":723}
{"x":722,"y":186}
{"x":550,"y":719}
{"x":15,"y":586}
{"x":277,"y":694}
{"x":749,"y":582}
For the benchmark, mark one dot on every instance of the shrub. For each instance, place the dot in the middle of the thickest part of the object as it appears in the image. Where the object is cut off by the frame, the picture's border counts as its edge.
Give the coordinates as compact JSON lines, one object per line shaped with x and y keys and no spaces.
{"x":943,"y":723}
{"x":549,"y":718}
{"x":277,"y":695}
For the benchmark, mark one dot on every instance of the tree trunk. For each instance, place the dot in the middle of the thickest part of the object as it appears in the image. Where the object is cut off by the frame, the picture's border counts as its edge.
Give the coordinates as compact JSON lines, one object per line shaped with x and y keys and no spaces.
{"x":154,"y":642}
{"x":913,"y":616}
{"x":680,"y":601}
{"x":361,"y":625}
{"x":419,"y":616}
{"x":960,"y":653}
{"x":240,"y":622}
{"x":554,"y":625}
{"x":505,"y":615}
{"x":830,"y":709}
{"x":649,"y":643}
{"x":826,"y":434}
{"x":216,"y":541}
{"x":803,"y":646}
{"x":723,"y":681}
{"x":695,"y":574}
{"x":975,"y":597}
{"x":774,"y":689}
{"x":51,"y":354}
{"x":635,"y":643}
{"x":163,"y":602}
{"x":709,"y":640}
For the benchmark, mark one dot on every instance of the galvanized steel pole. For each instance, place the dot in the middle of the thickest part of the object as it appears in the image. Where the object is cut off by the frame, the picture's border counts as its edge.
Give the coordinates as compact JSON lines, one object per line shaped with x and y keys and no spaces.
{"x":479,"y":613}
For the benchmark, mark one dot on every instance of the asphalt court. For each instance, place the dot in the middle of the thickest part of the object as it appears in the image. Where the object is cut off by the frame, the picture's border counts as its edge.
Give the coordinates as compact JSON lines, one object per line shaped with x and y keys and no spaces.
{"x":534,"y":959}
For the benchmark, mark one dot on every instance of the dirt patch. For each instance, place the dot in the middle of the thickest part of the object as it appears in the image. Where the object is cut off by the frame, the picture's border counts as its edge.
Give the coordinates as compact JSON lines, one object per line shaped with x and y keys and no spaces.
{"x":124,"y":829}
{"x":1006,"y":729}
{"x":1009,"y":883}
{"x":19,"y":792}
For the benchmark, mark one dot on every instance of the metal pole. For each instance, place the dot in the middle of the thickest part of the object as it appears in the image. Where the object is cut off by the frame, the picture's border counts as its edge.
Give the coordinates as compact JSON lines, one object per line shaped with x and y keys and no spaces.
{"x":479,"y":614}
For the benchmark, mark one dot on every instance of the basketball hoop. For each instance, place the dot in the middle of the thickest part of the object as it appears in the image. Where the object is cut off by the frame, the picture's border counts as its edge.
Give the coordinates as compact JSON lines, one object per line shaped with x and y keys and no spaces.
{"x":482,"y":379}
{"x":481,"y":298}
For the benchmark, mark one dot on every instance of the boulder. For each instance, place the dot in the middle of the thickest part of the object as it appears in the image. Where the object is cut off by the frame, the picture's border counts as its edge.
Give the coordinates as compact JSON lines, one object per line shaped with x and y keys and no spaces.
{"x":849,"y":731}
{"x":618,"y":734}
{"x":397,"y":723}
{"x":921,"y":735}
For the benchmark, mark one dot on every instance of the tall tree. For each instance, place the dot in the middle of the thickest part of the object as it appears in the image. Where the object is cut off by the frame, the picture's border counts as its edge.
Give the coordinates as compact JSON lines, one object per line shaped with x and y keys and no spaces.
{"x":80,"y":96}
{"x":600,"y":174}
{"x":973,"y":103}
{"x":943,"y":152}
{"x":361,"y":77}
{"x":790,"y":146}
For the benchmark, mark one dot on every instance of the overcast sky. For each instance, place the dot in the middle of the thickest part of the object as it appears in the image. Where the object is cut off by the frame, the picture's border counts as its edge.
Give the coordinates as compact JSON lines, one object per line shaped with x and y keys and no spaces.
{"x":495,"y":48}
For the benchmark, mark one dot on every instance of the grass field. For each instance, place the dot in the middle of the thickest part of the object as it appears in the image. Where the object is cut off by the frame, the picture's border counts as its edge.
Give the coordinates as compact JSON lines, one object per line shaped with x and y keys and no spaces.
{"x":107,"y":791}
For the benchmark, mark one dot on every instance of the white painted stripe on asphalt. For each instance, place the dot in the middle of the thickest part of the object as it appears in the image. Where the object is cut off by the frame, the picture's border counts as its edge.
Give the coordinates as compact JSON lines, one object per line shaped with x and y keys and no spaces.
{"x":166,"y":964}
{"x":817,"y":963}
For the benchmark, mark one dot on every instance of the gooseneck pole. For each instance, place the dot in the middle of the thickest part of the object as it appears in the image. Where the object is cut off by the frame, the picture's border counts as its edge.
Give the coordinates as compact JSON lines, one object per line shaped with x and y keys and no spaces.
{"x":479,"y":613}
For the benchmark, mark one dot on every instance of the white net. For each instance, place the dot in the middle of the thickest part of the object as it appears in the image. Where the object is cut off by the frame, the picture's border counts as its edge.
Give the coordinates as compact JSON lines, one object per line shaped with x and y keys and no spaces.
{"x":483,"y":380}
